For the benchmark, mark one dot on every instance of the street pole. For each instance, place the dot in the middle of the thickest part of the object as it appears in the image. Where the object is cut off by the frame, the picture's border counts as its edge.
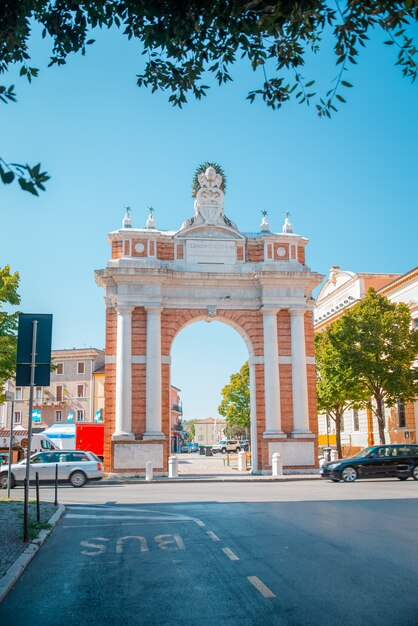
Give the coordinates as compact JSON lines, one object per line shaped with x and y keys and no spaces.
{"x":32,"y":385}
{"x":10,"y":396}
{"x":370,"y":438}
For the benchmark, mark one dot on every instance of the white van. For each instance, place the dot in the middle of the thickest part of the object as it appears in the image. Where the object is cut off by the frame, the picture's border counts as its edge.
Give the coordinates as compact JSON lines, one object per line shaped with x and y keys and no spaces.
{"x":40,"y":443}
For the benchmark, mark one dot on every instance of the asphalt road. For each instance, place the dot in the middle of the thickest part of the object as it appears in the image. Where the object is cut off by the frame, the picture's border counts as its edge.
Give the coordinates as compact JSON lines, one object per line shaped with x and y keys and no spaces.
{"x":246,"y":554}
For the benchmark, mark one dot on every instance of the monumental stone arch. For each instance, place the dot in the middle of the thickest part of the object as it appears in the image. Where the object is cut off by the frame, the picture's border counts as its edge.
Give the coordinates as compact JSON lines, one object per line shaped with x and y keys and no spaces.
{"x":157,"y":282}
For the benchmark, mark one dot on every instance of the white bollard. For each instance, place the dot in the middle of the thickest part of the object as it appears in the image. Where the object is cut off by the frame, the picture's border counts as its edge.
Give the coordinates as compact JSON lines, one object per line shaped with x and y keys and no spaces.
{"x":334,"y":455}
{"x":173,"y":467}
{"x":242,"y":461}
{"x":276,"y":464}
{"x":148,"y":471}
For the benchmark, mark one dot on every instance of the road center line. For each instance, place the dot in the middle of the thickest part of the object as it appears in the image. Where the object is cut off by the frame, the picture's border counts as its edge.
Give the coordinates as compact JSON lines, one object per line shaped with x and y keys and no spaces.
{"x":261,"y":587}
{"x":212,"y":535}
{"x":231,"y":555}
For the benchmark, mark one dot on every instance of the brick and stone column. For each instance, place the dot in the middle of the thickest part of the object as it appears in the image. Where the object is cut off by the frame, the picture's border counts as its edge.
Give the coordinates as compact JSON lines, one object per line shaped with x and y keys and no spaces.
{"x":153,"y":374}
{"x":123,"y":396}
{"x":299,"y":373}
{"x":271,"y":374}
{"x":253,"y":418}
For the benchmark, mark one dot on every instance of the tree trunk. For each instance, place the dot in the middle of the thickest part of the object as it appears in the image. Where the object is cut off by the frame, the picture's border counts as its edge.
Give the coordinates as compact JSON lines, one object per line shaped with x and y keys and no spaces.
{"x":380,"y":418}
{"x":338,"y":433}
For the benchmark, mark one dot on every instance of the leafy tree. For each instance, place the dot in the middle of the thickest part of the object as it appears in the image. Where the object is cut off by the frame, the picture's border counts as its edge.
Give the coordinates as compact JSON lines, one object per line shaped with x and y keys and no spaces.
{"x":185,"y":41}
{"x":235,"y":431}
{"x":8,"y":325}
{"x":235,"y":405}
{"x":378,"y":348}
{"x":338,"y":389}
{"x":189,"y":427}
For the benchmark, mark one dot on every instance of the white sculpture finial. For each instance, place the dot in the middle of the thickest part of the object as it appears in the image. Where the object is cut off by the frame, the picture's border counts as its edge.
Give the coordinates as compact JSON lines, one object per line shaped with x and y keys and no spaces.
{"x":264,"y":226}
{"x":126,"y":222}
{"x":150,"y":221}
{"x":287,"y":226}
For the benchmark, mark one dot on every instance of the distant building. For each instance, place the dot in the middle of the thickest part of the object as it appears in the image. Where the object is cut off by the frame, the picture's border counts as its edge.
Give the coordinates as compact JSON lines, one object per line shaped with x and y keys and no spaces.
{"x":344,"y":290}
{"x":176,"y":414}
{"x":71,"y":396}
{"x":209,"y":431}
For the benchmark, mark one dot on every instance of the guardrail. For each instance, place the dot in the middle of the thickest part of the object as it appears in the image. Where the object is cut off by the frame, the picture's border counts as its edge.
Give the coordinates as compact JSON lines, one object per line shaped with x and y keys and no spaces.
{"x":227,"y":458}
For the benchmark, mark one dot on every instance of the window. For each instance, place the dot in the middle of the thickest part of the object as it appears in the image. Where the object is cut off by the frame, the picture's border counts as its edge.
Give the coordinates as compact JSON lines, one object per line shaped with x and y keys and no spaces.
{"x":80,"y":416}
{"x":42,"y":457}
{"x":18,"y":417}
{"x":401,"y":414}
{"x":38,"y":393}
{"x":58,"y":416}
{"x":80,"y":391}
{"x":356,"y":425}
{"x":80,"y":367}
{"x":19,"y":393}
{"x":60,"y":369}
{"x":78,"y":456}
{"x":59,"y":393}
{"x":342,"y":422}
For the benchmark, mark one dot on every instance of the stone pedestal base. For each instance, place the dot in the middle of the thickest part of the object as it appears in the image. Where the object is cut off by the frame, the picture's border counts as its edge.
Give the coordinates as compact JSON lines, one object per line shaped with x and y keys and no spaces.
{"x":295,"y":454}
{"x":130,"y":457}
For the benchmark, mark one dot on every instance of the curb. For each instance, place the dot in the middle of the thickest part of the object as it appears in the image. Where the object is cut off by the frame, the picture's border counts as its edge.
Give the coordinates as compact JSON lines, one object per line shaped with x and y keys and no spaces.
{"x":16,"y":570}
{"x":216,"y":479}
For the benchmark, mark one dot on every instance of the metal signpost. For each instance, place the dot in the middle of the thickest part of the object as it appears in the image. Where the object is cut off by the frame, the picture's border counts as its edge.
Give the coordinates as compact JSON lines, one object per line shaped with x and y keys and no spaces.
{"x":10,"y":398}
{"x":33,"y":368}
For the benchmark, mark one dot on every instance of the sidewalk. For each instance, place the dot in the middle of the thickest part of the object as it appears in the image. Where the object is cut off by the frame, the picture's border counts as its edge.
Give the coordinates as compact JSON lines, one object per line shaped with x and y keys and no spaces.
{"x":15,"y":555}
{"x":217,"y":468}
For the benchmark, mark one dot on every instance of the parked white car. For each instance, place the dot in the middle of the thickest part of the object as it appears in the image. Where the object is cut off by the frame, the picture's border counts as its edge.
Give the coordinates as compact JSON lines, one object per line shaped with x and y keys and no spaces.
{"x":74,"y":466}
{"x":227,"y":445}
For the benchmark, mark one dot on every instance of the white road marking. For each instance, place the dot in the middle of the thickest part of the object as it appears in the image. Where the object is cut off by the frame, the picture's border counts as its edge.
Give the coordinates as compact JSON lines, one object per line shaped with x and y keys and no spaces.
{"x":261,"y":587}
{"x":231,"y":555}
{"x":136,"y":517}
{"x":212,"y":535}
{"x":112,"y":524}
{"x":165,"y":542}
{"x":143,"y":546}
{"x":200,"y":523}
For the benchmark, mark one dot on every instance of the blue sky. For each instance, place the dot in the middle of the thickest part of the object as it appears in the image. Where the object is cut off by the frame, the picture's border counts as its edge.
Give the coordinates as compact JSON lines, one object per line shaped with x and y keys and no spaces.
{"x":350,"y":183}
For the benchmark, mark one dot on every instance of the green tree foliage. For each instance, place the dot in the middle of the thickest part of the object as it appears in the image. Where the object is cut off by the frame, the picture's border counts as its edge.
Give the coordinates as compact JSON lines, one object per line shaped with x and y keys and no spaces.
{"x":235,"y":405}
{"x":183,"y":42}
{"x":378,"y":348}
{"x":189,"y":427}
{"x":8,"y":325}
{"x":338,"y":389}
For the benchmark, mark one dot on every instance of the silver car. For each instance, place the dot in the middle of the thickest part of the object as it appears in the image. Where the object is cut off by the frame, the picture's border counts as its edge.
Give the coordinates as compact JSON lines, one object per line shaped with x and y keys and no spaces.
{"x":74,"y":466}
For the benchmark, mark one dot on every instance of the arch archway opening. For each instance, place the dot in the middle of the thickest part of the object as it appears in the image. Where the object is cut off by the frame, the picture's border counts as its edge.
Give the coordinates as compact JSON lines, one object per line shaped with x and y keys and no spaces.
{"x":203,"y":358}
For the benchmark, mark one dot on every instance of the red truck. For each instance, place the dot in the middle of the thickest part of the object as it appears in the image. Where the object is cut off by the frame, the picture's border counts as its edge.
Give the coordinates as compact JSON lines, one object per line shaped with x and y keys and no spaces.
{"x":90,"y":437}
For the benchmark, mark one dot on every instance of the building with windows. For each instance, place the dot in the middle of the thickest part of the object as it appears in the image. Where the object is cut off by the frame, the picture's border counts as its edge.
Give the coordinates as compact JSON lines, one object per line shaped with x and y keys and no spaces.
{"x":209,"y":431}
{"x":341,"y":291}
{"x":70,"y":397}
{"x":176,"y":415}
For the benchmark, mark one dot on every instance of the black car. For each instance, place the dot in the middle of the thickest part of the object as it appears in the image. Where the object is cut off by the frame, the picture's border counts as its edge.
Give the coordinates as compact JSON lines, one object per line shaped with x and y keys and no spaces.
{"x":395,"y":460}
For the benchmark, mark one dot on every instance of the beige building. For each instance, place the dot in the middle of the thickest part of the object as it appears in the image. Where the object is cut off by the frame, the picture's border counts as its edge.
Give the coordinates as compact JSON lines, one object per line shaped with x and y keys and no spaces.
{"x":69,"y":398}
{"x":209,"y":431}
{"x":343,"y":290}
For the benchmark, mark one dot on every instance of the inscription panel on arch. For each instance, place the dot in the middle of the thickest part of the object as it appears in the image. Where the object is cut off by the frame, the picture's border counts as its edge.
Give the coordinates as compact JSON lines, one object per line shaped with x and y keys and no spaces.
{"x":208,"y":251}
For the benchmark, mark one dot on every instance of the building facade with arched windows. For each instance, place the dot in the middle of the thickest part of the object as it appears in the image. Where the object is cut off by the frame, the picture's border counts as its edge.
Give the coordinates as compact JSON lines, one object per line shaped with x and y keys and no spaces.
{"x":341,"y":291}
{"x":158,"y":282}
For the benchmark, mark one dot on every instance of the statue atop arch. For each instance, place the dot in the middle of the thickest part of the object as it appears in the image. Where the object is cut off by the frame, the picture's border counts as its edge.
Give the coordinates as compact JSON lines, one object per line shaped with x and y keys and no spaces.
{"x":208,"y":189}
